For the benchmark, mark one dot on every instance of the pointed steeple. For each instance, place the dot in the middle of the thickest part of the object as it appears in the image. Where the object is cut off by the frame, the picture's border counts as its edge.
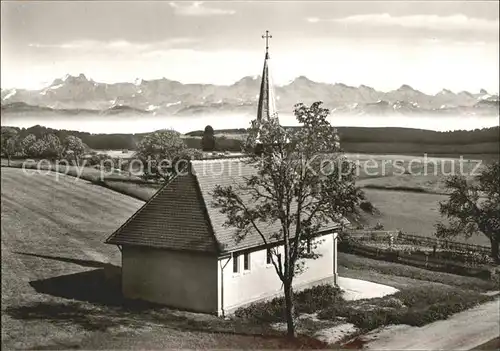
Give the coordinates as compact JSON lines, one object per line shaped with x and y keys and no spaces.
{"x":267,"y":103}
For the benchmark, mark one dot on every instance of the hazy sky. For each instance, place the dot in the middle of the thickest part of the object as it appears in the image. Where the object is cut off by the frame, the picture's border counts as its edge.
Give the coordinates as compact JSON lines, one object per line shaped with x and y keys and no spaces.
{"x":429,"y":45}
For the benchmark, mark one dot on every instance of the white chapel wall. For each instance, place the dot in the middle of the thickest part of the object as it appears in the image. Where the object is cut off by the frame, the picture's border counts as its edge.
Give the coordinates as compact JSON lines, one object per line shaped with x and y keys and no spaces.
{"x":262,"y":281}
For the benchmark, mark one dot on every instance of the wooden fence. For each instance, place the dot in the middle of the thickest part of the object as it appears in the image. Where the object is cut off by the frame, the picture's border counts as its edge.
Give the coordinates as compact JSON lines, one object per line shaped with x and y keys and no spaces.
{"x":375,"y":235}
{"x":417,"y":240}
{"x":443,"y":244}
{"x":419,"y":260}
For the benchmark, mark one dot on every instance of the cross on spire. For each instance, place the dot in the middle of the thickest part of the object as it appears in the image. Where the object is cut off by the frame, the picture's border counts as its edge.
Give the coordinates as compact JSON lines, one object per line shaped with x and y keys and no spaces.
{"x":267,"y":36}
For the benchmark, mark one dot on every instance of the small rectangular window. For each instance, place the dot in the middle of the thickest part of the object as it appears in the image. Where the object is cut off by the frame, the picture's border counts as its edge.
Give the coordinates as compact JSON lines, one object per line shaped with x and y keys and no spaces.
{"x":246,"y":261}
{"x":236,"y":263}
{"x":268,"y":256}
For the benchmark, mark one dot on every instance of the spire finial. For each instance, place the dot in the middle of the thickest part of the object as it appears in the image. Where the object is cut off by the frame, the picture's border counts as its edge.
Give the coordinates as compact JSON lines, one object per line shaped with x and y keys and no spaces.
{"x":267,"y":36}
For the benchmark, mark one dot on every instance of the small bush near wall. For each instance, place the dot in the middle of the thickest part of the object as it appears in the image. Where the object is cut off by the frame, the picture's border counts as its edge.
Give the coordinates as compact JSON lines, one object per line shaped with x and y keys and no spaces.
{"x":306,"y":301}
{"x":414,"y":306}
{"x":316,"y":298}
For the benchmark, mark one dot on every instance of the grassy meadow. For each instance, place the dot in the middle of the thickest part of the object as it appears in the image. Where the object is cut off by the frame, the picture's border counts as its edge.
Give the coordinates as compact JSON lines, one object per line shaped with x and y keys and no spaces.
{"x":60,"y":287}
{"x":56,"y":287}
{"x":405,"y":189}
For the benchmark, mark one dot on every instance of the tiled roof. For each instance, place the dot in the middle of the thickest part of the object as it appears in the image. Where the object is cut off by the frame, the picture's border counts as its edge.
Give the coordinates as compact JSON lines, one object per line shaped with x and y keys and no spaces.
{"x":180,"y":216}
{"x":174,"y":218}
{"x":211,"y":173}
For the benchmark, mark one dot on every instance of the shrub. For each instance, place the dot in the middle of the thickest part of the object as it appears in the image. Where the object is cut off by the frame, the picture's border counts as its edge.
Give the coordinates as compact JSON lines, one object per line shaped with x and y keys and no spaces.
{"x":335,"y":311}
{"x":305,"y":301}
{"x":266,"y":311}
{"x":425,"y":295}
{"x":415,"y":306}
{"x":419,"y":317}
{"x":391,"y":302}
{"x":433,"y":295}
{"x":367,"y":206}
{"x":372,"y":319}
{"x":316,"y":298}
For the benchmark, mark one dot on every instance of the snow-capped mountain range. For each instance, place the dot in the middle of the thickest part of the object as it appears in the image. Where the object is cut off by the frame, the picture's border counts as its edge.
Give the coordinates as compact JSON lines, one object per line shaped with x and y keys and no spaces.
{"x":80,"y":95}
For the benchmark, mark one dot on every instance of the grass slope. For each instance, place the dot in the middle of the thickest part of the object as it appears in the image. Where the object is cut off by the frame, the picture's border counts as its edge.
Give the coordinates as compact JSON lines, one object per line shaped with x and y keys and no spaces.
{"x":54,"y":216}
{"x":55,"y":294}
{"x":409,"y":202}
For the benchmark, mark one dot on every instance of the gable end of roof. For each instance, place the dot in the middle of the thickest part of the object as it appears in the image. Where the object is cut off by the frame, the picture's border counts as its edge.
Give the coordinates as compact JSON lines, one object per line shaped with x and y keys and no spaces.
{"x":174,"y":218}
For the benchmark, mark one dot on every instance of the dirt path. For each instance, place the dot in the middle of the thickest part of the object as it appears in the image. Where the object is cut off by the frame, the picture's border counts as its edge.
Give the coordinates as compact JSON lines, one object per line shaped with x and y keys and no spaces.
{"x":493,"y":344}
{"x":462,"y":331}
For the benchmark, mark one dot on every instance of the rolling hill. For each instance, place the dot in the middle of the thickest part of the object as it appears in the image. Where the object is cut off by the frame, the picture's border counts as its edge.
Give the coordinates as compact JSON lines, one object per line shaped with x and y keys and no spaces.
{"x":56,"y":293}
{"x":52,"y":226}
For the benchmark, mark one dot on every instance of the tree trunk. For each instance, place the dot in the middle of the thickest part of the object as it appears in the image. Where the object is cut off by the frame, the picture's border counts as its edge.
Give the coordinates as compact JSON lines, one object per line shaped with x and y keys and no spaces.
{"x":495,"y":249}
{"x":8,"y":160}
{"x":289,"y":309}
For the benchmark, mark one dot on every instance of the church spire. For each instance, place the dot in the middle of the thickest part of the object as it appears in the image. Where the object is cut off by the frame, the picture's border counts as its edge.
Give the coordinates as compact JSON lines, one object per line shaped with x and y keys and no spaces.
{"x":267,"y":104}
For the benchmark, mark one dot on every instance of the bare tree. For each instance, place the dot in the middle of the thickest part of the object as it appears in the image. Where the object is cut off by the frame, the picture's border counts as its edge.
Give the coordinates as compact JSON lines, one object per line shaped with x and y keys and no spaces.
{"x":302,"y":182}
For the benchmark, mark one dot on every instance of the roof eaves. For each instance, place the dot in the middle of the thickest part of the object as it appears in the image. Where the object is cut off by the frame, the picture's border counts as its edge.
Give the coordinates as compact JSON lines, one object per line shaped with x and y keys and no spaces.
{"x":278,"y":242}
{"x":153,"y":247}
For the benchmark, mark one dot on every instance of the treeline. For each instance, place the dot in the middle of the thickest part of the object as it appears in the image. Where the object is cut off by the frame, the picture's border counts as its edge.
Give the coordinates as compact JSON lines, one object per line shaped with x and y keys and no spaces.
{"x":399,"y":135}
{"x":353,"y":139}
{"x":221,"y":143}
{"x":93,"y":141}
{"x":15,"y":144}
{"x":491,"y":148}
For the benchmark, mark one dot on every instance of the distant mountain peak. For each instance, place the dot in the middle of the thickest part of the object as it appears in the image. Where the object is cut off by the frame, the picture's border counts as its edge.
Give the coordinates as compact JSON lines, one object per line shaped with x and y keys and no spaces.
{"x":366,"y":87}
{"x":68,"y":78}
{"x":445,"y":92}
{"x":57,"y":81}
{"x":302,"y":79}
{"x":165,"y":79}
{"x":483,"y":91}
{"x":170,"y":97}
{"x":466,"y":93}
{"x":342,"y":85}
{"x":405,"y":87}
{"x":248,"y":80}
